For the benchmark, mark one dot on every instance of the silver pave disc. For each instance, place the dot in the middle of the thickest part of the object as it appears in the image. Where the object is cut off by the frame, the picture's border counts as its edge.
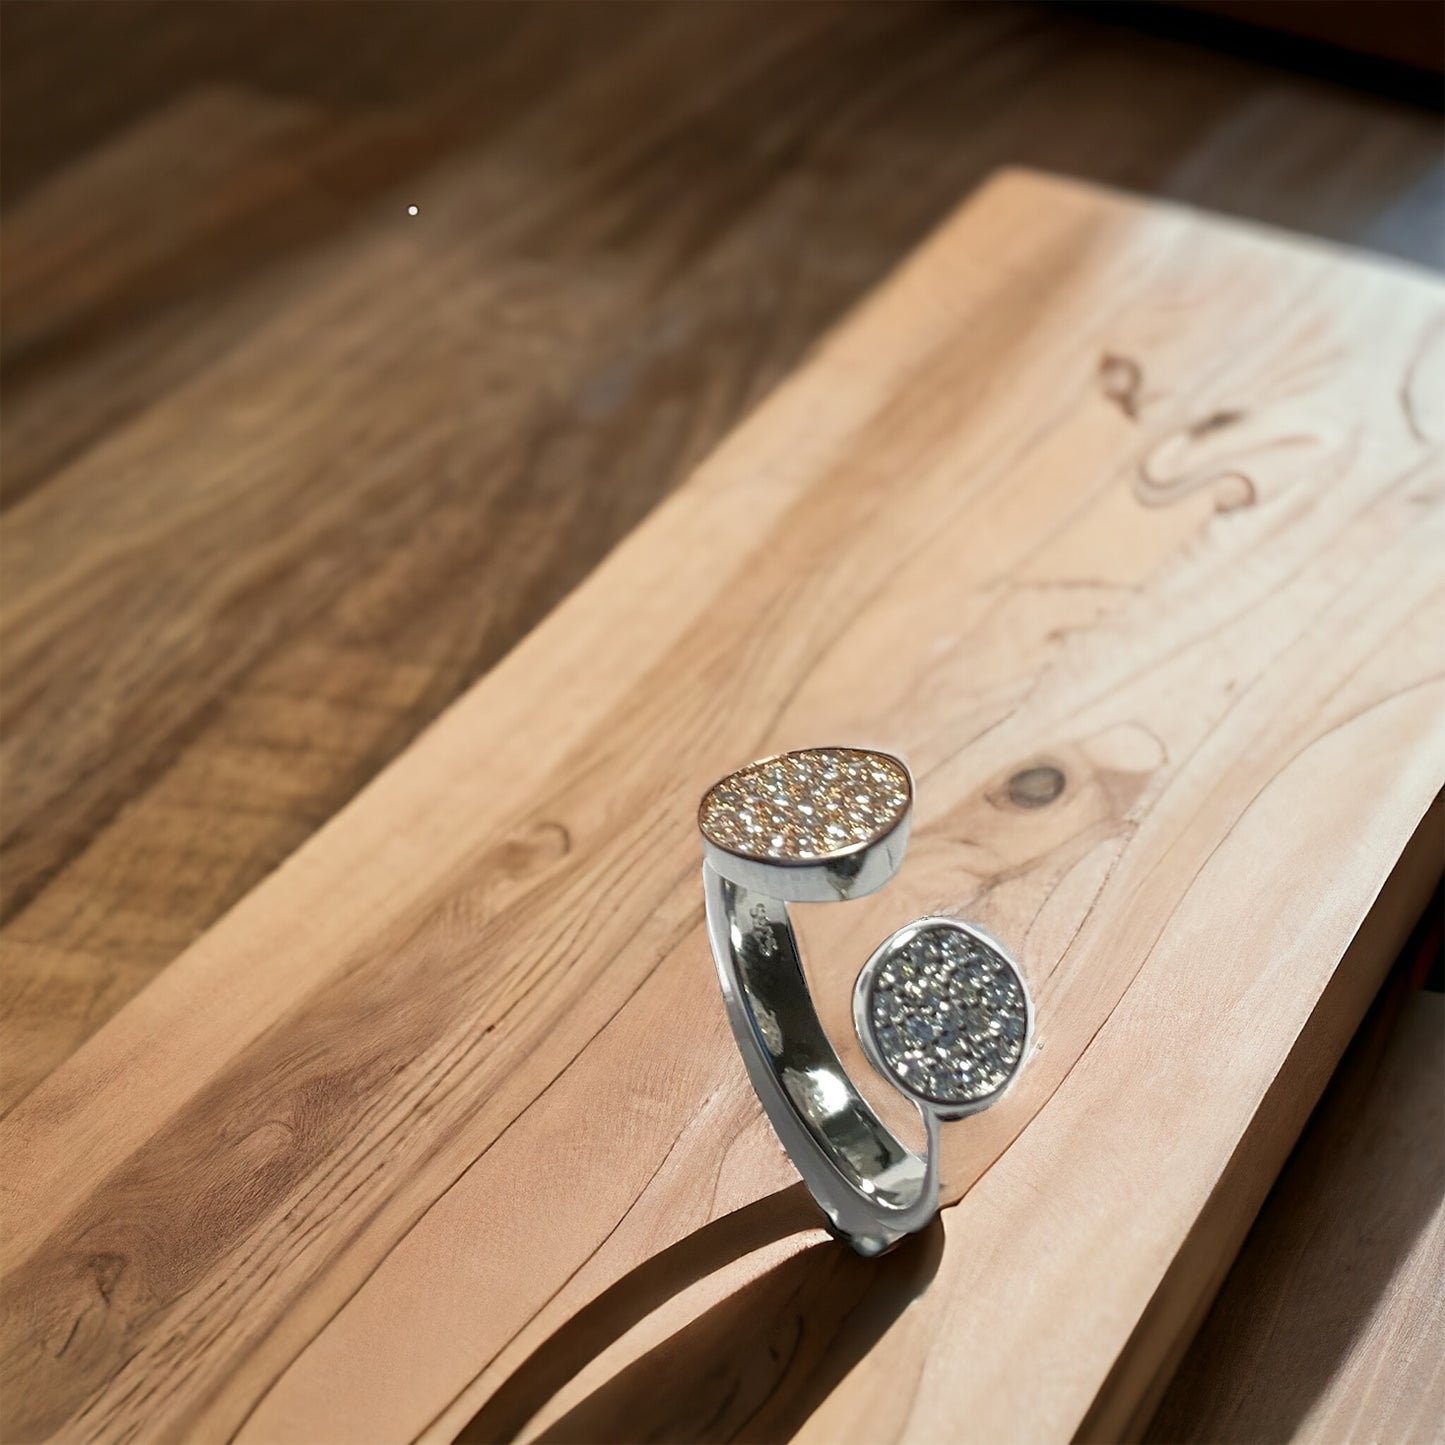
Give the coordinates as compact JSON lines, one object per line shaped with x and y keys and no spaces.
{"x":942,"y":1012}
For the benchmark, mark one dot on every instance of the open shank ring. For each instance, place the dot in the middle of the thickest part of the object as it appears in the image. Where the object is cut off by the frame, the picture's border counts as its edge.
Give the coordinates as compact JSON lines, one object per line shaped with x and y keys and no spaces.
{"x":940,"y":1008}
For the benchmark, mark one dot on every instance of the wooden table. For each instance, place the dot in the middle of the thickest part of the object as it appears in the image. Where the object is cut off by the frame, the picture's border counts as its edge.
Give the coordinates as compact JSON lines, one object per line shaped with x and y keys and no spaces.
{"x":287,"y":467}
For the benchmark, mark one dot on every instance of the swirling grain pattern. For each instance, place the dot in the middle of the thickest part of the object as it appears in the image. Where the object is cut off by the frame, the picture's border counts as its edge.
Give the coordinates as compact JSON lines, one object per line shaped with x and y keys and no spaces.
{"x":457,"y":1068}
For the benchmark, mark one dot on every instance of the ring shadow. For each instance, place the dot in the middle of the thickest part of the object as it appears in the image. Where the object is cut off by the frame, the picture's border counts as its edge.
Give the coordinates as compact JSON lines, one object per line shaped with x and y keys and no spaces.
{"x":751,"y":1368}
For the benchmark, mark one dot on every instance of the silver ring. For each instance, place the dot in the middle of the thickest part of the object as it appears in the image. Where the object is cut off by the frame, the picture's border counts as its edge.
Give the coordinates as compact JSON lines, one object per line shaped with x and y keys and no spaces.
{"x":941,"y":1010}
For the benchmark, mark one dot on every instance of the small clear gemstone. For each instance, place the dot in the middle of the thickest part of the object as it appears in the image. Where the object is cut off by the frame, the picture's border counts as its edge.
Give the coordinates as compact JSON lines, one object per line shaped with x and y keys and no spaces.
{"x":917,"y":1028}
{"x":948,"y":1016}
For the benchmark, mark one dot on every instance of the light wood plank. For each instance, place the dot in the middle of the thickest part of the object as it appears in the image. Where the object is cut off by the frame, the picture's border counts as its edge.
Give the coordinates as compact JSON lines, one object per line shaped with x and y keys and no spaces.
{"x":1089,"y":485}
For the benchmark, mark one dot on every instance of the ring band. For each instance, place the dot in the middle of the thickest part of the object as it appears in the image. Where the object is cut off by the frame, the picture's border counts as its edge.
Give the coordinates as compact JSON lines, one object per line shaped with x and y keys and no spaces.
{"x":940,"y":1008}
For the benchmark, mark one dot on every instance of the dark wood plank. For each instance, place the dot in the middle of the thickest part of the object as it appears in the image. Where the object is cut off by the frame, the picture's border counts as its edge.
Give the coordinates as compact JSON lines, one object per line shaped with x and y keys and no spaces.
{"x":1331,"y":1323}
{"x":232,"y":591}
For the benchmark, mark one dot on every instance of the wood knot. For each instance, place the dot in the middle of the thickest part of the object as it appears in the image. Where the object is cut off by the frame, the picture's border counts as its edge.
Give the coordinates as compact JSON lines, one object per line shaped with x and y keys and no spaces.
{"x":1035,"y":787}
{"x":1121,"y":380}
{"x":107,"y":1270}
{"x":1216,"y":421}
{"x":534,"y":848}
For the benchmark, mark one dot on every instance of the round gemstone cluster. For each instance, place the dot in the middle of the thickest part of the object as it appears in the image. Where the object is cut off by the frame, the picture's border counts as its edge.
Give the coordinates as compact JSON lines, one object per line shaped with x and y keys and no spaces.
{"x":948,"y":1016}
{"x":806,"y":805}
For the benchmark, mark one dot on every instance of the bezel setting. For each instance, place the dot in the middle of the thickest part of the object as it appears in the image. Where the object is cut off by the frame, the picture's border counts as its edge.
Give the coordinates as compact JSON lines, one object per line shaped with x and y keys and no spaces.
{"x":943,"y":1013}
{"x":806,"y":807}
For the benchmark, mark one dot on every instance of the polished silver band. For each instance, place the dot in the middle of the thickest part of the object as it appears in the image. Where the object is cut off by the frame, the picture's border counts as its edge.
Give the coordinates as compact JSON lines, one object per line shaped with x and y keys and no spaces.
{"x":940,"y":1009}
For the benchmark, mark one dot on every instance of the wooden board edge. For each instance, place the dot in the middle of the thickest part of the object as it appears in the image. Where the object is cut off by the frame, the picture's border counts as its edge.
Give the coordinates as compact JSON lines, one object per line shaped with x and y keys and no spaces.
{"x":1131,"y":1393}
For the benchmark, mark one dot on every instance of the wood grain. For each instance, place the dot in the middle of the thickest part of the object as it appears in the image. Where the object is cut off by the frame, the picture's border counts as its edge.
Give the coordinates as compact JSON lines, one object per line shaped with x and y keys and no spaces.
{"x":286,"y":469}
{"x":1090,"y":486}
{"x":1331,"y":1323}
